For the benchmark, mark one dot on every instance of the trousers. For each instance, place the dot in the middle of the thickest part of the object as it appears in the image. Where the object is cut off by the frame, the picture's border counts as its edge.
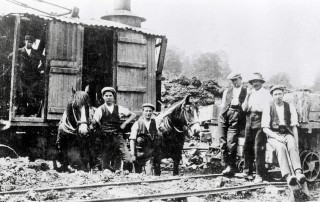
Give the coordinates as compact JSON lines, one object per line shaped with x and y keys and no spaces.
{"x":255,"y":149}
{"x":229,"y":129}
{"x":114,"y":146}
{"x":281,"y":152}
{"x":255,"y":144}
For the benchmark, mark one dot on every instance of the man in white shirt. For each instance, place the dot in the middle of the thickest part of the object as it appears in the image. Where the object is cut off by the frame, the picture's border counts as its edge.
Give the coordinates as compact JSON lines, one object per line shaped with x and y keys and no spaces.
{"x":108,"y":116}
{"x":230,"y":118}
{"x":144,"y":135}
{"x":255,"y":140}
{"x":279,"y":122}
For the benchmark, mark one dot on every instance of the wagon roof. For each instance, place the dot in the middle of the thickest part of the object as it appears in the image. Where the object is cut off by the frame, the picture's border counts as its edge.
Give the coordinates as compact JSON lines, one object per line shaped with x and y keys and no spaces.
{"x":93,"y":23}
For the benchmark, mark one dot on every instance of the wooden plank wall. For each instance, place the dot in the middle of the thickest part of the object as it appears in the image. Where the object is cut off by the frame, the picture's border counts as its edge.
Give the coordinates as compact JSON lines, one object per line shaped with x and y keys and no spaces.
{"x":65,"y":49}
{"x":136,"y":70}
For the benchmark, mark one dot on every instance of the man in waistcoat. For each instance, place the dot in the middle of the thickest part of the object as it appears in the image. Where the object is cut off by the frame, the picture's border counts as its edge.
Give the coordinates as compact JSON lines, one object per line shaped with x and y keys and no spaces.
{"x":230,"y":118}
{"x":143,"y":138}
{"x":108,"y":116}
{"x":255,"y":140}
{"x":29,"y":82}
{"x":279,"y":122}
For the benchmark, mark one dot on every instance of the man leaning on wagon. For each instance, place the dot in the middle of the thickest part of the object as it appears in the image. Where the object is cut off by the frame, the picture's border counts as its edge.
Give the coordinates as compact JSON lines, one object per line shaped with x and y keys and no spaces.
{"x":230,"y":119}
{"x":143,"y":138}
{"x":279,"y":122}
{"x":255,"y":140}
{"x":108,"y":116}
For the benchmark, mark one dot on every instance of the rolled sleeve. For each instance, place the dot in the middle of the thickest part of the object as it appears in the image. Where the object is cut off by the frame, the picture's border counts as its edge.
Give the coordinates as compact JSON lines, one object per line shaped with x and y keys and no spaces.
{"x":265,"y":120}
{"x":97,"y":115}
{"x":123,"y":111}
{"x":294,"y":115}
{"x":134,"y":131}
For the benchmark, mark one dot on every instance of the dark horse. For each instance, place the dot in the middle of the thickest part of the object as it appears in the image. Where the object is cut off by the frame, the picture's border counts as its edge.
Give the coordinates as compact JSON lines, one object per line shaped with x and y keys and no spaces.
{"x":73,"y":139}
{"x":177,"y":122}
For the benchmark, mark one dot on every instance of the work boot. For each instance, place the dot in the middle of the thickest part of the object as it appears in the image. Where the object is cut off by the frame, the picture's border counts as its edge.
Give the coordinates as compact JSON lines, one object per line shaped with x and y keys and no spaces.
{"x":229,"y":171}
{"x":291,"y":180}
{"x":301,"y":177}
{"x":258,"y":179}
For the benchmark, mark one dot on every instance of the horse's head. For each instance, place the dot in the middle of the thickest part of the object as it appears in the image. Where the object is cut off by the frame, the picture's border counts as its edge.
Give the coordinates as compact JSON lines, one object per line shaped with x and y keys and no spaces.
{"x":182,"y":117}
{"x":82,"y":111}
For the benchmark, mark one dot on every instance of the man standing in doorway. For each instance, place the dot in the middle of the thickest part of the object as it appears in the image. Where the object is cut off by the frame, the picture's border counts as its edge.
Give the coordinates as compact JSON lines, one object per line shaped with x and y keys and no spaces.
{"x":29,"y":81}
{"x":230,"y":120}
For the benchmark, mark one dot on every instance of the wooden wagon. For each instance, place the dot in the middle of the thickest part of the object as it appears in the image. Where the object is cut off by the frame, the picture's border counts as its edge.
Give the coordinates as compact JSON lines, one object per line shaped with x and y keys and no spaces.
{"x":79,"y":52}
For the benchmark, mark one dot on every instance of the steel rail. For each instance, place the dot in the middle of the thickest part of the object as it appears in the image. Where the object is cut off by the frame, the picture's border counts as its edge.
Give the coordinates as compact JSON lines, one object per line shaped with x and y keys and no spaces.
{"x":186,"y":194}
{"x":108,"y":184}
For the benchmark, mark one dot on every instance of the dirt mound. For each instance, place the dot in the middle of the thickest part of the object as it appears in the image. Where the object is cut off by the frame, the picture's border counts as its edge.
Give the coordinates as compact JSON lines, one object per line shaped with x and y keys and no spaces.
{"x":206,"y":92}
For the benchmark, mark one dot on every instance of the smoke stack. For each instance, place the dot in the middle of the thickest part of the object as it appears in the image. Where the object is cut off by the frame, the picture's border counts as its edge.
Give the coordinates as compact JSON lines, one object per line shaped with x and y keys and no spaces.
{"x":122,"y":13}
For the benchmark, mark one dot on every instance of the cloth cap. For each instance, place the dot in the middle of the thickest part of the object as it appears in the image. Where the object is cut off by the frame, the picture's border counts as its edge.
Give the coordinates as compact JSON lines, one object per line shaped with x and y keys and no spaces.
{"x":234,"y":76}
{"x":277,"y":87}
{"x":108,"y":89}
{"x":29,"y":38}
{"x":256,"y":77}
{"x":149,"y":105}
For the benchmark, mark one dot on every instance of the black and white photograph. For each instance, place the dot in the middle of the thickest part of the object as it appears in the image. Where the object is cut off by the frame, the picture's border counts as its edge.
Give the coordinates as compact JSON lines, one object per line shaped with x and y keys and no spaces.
{"x":160,"y":100}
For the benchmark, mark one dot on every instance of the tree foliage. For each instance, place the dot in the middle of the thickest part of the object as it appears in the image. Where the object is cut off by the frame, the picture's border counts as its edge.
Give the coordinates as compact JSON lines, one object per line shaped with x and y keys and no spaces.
{"x":173,"y":63}
{"x":207,"y":66}
{"x":281,"y":78}
{"x":316,"y":85}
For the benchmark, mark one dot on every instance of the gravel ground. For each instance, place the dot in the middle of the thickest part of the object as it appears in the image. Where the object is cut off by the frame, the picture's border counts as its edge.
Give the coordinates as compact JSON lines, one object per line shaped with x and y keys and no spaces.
{"x":17,"y":174}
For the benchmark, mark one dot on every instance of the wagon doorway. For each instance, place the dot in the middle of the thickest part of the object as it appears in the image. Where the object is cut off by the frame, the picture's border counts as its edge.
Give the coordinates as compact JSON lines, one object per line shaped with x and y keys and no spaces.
{"x":97,"y":62}
{"x":23,"y":67}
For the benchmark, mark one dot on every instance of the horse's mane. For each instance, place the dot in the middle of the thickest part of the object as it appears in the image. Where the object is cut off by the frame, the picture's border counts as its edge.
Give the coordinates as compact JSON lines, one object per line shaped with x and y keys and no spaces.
{"x":79,"y":99}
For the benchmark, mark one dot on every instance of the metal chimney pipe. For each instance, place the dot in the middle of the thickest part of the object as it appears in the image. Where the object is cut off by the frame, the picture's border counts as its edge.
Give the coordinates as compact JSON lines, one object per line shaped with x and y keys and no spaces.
{"x":122,"y":13}
{"x":122,"y":5}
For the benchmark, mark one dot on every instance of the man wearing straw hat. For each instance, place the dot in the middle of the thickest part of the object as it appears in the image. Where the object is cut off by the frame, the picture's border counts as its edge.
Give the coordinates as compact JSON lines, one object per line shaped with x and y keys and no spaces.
{"x":279,"y":122}
{"x":143,"y":139}
{"x":230,"y":118}
{"x":108,"y":116}
{"x":255,"y":140}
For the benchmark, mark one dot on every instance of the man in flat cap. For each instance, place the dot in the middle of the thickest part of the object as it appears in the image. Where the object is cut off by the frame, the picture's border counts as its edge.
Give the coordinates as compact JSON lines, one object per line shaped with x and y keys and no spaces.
{"x":29,"y":79}
{"x":108,"y":116}
{"x":255,"y":140}
{"x":279,"y":122}
{"x":230,"y":117}
{"x":143,"y":139}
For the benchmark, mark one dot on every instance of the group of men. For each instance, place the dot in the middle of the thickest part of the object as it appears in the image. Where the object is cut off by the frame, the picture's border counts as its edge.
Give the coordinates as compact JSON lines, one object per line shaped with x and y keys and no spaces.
{"x":267,"y":119}
{"x":143,"y":134}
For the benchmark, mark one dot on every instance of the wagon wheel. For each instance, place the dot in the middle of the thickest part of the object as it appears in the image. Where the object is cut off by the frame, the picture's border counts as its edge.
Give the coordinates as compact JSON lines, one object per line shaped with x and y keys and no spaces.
{"x":240,"y":165}
{"x":6,"y":151}
{"x":311,"y":166}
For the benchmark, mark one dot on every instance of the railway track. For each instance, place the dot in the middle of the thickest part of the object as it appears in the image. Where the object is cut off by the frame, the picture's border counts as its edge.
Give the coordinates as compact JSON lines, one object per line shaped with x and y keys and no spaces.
{"x":119,"y":187}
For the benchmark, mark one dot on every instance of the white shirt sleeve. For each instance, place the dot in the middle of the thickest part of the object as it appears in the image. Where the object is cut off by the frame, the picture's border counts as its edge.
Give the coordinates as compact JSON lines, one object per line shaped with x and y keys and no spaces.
{"x":123,"y":111}
{"x":97,"y":115}
{"x":294,"y":115}
{"x":265,"y":120}
{"x":224,"y":97}
{"x":134,"y":131}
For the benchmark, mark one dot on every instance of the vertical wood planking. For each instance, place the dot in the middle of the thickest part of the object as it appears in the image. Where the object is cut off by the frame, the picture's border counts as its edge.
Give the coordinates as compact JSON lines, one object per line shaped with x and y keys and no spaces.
{"x":13,"y":70}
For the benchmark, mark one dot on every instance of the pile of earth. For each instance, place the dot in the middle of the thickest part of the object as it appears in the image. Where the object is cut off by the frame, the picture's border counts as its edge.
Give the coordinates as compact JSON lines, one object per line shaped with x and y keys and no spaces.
{"x":21,"y":174}
{"x":206,"y":92}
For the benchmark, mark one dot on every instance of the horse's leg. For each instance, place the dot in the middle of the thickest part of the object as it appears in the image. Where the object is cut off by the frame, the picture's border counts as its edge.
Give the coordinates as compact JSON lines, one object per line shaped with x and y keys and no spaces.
{"x":156,"y":165}
{"x":176,"y":162}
